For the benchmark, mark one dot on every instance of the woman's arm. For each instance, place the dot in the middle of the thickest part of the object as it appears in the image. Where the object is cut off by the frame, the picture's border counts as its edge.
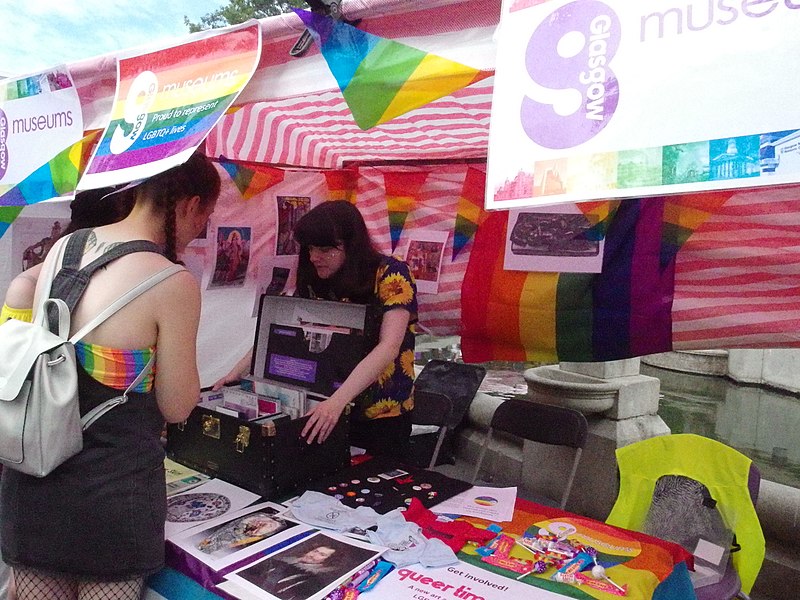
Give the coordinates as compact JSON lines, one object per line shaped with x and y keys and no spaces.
{"x":239,"y":370}
{"x":178,"y":317}
{"x":326,"y":414}
{"x":22,"y":288}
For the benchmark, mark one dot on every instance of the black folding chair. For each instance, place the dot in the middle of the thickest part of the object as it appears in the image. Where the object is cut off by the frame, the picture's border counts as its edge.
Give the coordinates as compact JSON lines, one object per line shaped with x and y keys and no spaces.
{"x":543,"y":423}
{"x":433,"y":408}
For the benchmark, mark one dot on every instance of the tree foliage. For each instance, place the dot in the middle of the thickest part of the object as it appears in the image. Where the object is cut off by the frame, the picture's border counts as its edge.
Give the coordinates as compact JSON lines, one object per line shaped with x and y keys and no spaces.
{"x":239,"y":11}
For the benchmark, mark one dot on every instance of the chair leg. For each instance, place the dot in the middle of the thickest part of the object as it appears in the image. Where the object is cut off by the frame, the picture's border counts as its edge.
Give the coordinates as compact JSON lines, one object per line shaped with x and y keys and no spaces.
{"x":571,"y":479}
{"x":483,"y":453}
{"x":442,"y":434}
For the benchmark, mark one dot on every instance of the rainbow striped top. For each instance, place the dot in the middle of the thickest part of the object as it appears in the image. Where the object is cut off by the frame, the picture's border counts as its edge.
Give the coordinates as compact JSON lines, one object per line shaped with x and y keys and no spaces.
{"x":115,"y":368}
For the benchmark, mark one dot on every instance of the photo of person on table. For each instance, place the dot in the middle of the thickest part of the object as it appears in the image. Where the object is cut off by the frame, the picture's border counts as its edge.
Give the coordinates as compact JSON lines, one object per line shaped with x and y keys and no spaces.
{"x":338,"y":261}
{"x":302,"y":570}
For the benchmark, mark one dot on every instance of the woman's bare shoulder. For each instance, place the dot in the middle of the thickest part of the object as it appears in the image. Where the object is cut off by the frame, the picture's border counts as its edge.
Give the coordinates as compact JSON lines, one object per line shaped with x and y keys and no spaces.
{"x":22,"y":288}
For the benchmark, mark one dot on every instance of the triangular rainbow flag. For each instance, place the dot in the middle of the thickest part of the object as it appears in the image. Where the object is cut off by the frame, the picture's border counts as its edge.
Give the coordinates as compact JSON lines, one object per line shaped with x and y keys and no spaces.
{"x":599,"y":214}
{"x":342,"y":184}
{"x":402,"y":191}
{"x":55,"y":178}
{"x":683,"y":214}
{"x":254,"y":179}
{"x":7,"y":216}
{"x":382,"y":79}
{"x":469,"y":213}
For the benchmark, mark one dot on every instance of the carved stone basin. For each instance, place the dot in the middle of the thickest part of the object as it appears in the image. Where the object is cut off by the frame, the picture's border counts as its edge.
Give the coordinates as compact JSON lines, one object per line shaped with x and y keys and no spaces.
{"x":550,"y":385}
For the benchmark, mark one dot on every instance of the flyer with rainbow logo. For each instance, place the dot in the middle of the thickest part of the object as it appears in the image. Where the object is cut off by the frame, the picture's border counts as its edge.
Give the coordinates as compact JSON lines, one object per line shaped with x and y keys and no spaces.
{"x":168,"y":100}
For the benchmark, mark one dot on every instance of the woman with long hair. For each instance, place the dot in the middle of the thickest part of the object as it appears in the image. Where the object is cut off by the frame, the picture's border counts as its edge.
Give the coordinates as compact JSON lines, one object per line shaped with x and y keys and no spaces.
{"x":339,"y":262}
{"x":94,"y":527}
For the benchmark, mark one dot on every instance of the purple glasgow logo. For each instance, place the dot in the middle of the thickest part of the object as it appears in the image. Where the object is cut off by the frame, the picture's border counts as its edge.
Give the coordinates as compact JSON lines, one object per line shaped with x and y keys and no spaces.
{"x":571,"y":50}
{"x":3,"y":144}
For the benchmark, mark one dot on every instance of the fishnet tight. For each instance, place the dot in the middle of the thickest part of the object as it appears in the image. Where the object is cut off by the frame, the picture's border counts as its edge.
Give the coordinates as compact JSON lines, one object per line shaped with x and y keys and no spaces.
{"x":32,"y":585}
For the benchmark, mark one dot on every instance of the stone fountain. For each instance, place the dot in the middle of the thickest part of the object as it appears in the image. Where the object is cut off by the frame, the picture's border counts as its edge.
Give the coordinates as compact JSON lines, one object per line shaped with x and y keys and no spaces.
{"x":621,"y":406}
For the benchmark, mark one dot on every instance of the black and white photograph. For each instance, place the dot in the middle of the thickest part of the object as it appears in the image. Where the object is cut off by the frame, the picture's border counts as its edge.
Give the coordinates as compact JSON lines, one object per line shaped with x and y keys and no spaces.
{"x":309,"y":569}
{"x":557,"y":238}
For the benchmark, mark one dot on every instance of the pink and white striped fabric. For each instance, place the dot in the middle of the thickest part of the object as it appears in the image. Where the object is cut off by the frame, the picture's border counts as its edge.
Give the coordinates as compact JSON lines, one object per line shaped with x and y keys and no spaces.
{"x":317,"y":130}
{"x":737,"y":278}
{"x":436,"y":209}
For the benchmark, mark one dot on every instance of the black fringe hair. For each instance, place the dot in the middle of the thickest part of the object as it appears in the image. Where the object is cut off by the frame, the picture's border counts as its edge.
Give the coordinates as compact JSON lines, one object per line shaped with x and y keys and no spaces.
{"x":334,"y":223}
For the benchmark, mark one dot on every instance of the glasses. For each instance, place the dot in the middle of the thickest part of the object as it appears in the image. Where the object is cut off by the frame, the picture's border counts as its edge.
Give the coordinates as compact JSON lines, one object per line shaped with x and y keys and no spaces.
{"x":325,"y":251}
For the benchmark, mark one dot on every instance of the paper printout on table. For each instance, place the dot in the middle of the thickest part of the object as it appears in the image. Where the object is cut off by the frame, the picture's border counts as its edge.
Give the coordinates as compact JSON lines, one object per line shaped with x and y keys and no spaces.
{"x":493,"y":504}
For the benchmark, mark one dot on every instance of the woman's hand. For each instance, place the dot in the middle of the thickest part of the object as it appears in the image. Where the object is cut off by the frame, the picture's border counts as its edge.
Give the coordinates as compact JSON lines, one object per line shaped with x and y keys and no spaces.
{"x":324,"y":417}
{"x":239,"y":370}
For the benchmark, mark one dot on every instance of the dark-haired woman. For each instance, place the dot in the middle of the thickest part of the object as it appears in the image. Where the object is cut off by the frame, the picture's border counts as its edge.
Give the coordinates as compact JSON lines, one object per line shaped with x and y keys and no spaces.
{"x":339,"y":262}
{"x":94,"y":527}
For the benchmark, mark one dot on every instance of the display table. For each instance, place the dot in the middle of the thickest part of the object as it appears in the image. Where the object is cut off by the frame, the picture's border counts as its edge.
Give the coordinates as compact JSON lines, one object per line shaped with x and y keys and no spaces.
{"x":651,"y":568}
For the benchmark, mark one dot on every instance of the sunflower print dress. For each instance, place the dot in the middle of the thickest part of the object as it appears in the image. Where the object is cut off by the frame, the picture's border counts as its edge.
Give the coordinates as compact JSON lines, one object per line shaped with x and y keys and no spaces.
{"x":393,"y":393}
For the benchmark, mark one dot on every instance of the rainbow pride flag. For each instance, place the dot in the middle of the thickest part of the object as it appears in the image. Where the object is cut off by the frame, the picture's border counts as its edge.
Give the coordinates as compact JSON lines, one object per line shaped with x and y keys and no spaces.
{"x":382,"y":79}
{"x":622,"y":312}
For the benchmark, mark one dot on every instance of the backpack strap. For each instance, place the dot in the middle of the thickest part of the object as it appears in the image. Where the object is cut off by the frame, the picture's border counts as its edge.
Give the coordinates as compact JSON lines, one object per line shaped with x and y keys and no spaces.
{"x":46,"y":275}
{"x":126,"y":298}
{"x":136,"y":291}
{"x":71,"y":281}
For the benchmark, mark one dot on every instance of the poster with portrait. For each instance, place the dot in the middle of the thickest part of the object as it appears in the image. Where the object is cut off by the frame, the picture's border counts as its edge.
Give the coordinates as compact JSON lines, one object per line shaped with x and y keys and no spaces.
{"x":423,"y":255}
{"x":290,"y":210}
{"x":233,"y":537}
{"x":32,"y":238}
{"x":556,"y":239}
{"x":308,"y":569}
{"x":232,"y":257}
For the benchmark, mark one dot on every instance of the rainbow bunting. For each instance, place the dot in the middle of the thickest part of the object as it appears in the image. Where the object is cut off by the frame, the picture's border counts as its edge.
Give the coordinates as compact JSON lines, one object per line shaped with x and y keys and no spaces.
{"x":253,"y":179}
{"x":599,"y":214}
{"x":469,"y":213}
{"x":682,"y":216}
{"x":55,"y":178}
{"x":382,"y":79}
{"x":7,"y":216}
{"x":402,"y":192}
{"x":342,"y":184}
{"x":622,"y":312}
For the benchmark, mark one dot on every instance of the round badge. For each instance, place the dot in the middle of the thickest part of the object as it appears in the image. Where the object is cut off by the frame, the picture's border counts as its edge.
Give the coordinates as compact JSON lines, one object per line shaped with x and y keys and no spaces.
{"x":366,"y":491}
{"x":425,"y":486}
{"x":343,"y":484}
{"x":355,"y":481}
{"x":373,"y":479}
{"x":378,"y":495}
{"x":350,"y":494}
{"x":333,"y":488}
{"x":432,"y":494}
{"x":416,"y":488}
{"x":359,"y":500}
{"x":408,"y":501}
{"x":339,"y":496}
